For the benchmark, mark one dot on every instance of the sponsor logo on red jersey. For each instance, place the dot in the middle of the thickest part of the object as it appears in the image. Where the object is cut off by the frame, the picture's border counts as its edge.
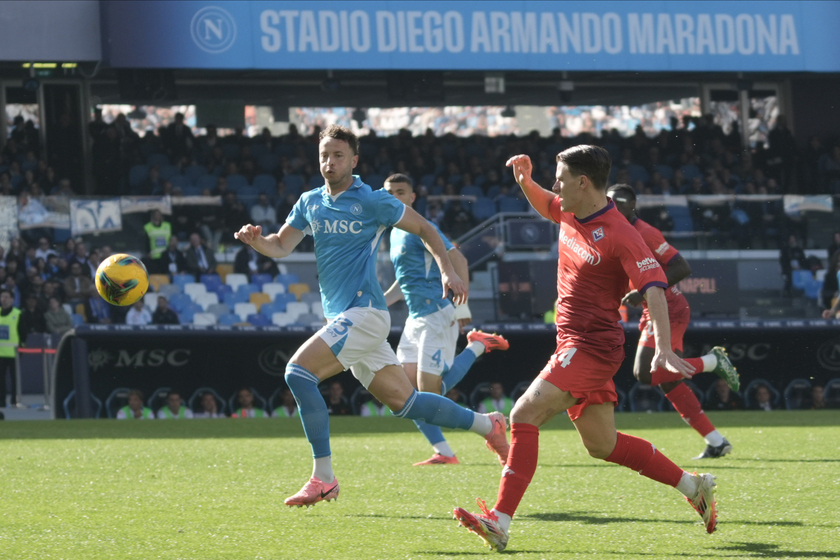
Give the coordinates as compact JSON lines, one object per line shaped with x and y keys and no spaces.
{"x":648,"y":263}
{"x":586,"y":252}
{"x":662,"y":248}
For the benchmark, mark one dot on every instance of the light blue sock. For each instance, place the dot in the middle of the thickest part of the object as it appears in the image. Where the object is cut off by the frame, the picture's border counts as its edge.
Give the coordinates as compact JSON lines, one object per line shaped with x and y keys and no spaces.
{"x":433,"y":433}
{"x":456,"y":372}
{"x":312,"y":407}
{"x":436,"y":410}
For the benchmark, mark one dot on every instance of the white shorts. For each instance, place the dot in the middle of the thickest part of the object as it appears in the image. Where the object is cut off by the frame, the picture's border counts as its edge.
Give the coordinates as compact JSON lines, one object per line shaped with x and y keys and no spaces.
{"x":358,"y":338}
{"x":429,"y":341}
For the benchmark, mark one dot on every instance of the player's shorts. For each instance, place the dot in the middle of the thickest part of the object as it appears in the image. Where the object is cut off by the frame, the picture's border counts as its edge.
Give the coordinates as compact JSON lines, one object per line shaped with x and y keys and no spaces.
{"x":679,"y":323}
{"x":586,"y":376}
{"x":429,"y":341}
{"x":358,"y":338}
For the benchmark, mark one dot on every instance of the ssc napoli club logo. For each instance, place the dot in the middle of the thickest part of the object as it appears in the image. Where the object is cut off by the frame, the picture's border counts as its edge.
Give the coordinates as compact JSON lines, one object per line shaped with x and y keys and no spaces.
{"x":213,"y":29}
{"x":829,"y":355}
{"x":356,"y":209}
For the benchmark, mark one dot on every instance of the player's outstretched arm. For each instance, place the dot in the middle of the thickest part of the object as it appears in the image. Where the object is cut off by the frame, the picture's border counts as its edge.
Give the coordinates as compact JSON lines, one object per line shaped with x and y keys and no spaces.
{"x":412,"y":222}
{"x":678,"y":270}
{"x":393,"y":294}
{"x":665,"y":356}
{"x":539,"y":198}
{"x":275,"y":245}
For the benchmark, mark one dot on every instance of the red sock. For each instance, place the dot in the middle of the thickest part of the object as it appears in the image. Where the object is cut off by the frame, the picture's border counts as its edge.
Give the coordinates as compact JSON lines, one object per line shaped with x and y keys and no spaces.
{"x":686,"y":403}
{"x":662,"y":375}
{"x":643,"y":457}
{"x":520,"y":467}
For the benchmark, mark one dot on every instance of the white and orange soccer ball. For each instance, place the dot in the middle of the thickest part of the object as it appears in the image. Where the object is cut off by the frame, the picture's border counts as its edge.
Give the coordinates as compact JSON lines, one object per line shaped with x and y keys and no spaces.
{"x":121,"y":279}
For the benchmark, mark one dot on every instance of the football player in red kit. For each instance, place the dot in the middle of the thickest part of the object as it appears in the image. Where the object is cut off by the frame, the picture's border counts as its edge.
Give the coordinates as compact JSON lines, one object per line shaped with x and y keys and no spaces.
{"x":599,"y":252}
{"x":679,"y":313}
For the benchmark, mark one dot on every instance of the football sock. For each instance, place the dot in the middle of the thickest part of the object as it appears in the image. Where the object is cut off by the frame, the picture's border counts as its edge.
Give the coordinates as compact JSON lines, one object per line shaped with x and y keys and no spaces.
{"x":439,"y":411}
{"x":662,"y":375}
{"x":714,"y":438}
{"x":442,"y":448}
{"x":312,"y":407}
{"x":520,"y":468}
{"x":432,"y":433}
{"x":643,"y":457}
{"x":322,"y":469}
{"x":686,"y":403}
{"x":687,"y":485}
{"x":460,"y":366}
{"x":504,"y":519}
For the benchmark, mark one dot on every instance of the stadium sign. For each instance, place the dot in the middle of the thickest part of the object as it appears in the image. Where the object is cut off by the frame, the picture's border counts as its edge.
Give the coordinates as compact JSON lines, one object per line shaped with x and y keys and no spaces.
{"x":515,"y":35}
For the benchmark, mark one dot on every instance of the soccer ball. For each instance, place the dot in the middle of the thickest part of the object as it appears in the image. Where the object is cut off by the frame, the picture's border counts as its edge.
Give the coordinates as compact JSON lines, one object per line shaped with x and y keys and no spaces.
{"x":121,"y":279}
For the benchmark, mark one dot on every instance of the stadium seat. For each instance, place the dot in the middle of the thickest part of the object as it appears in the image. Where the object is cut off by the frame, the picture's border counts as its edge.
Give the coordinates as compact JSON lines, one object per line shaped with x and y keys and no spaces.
{"x":510,"y":204}
{"x":187,"y":314}
{"x":137,"y":174}
{"x":259,"y":298}
{"x":260,"y":279}
{"x":310,"y":320}
{"x":483,"y":208}
{"x":157,"y":398}
{"x":218,"y":309}
{"x":150,"y":301}
{"x":296,"y":308}
{"x":265,"y":184}
{"x":276,"y":306}
{"x":211,"y":281}
{"x":206,"y":182}
{"x":247,"y":289}
{"x":665,"y":170}
{"x":228,"y":319}
{"x":231,"y":150}
{"x":268,"y":162}
{"x":158,"y":280}
{"x":223,"y":269}
{"x":169,"y":290}
{"x":115,"y":401}
{"x":69,"y":405}
{"x":158,"y":159}
{"x":831,"y":393}
{"x":801,"y":278}
{"x":244,"y":309}
{"x":204,"y":319}
{"x":167,"y":172}
{"x":311,"y":297}
{"x":193,"y":172}
{"x":182,"y":280}
{"x":205,"y":300}
{"x":690,"y":171}
{"x":298,"y":289}
{"x":182,"y":183}
{"x":194,"y":402}
{"x":472,"y":190}
{"x":286,"y":279}
{"x":682,"y":218}
{"x":317,"y":309}
{"x":258,"y":320}
{"x":315,"y":181}
{"x":645,"y":398}
{"x":233,"y":401}
{"x":233,"y":298}
{"x":749,"y":393}
{"x":376,"y":182}
{"x":798,"y":394}
{"x":234,"y":280}
{"x":479,"y":393}
{"x":77,"y":319}
{"x":273,"y":288}
{"x":281,"y":319}
{"x":179,"y":302}
{"x":294,"y":183}
{"x":195,"y":289}
{"x":235,"y":182}
{"x":636,"y":172}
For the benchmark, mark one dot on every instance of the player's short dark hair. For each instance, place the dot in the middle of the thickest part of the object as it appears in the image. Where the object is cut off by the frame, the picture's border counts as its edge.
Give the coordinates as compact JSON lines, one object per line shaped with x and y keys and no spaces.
{"x":173,"y":392}
{"x":136,"y":392}
{"x":338,"y":132}
{"x":400,"y":178}
{"x":626,"y":189}
{"x":592,"y":161}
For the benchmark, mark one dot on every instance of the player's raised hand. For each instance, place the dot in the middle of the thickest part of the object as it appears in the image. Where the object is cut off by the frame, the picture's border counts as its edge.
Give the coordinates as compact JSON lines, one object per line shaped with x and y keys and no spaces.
{"x":522,"y":168}
{"x":248,"y":234}
{"x":669,"y":360}
{"x":460,"y":290}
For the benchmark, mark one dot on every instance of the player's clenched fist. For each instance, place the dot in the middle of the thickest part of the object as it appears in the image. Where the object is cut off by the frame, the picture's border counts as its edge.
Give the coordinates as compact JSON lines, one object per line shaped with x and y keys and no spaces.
{"x":248,"y":234}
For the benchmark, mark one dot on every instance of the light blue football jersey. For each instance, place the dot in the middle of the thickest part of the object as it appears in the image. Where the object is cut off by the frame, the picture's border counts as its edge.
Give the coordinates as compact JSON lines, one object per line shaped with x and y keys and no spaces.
{"x":347,"y":230}
{"x":417,"y":272}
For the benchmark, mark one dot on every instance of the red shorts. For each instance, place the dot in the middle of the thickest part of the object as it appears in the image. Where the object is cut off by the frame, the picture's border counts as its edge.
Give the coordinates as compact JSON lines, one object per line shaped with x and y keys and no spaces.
{"x":678,"y":325}
{"x":587,"y":377}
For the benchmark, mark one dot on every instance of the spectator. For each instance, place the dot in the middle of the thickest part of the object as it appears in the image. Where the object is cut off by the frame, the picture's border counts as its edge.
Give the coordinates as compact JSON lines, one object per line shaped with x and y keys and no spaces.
{"x":831,"y":284}
{"x":158,"y":232}
{"x":246,"y":408}
{"x":337,"y":404}
{"x":138,"y":314}
{"x":791,"y":257}
{"x":11,"y":285}
{"x":178,"y":139}
{"x":263,"y":214}
{"x":457,"y":220}
{"x":817,"y":397}
{"x":199,"y":259}
{"x":164,"y":315}
{"x":762,"y":399}
{"x":172,"y":260}
{"x":209,"y":407}
{"x":835,"y":244}
{"x":44,"y":250}
{"x":78,"y":287}
{"x":135,"y":409}
{"x":249,"y":262}
{"x":174,"y":408}
{"x":57,"y":319}
{"x":98,"y":311}
{"x":374,"y":407}
{"x":723,"y":398}
{"x":288,"y":407}
{"x":10,"y":318}
{"x":153,"y":183}
{"x":497,"y":401}
{"x":31,"y":318}
{"x":234,"y":214}
{"x":81,"y":256}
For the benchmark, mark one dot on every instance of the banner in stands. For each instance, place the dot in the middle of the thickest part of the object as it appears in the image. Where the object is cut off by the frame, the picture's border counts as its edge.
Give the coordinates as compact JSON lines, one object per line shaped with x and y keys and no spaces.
{"x":46,"y":212}
{"x":471,"y":35}
{"x":8,"y":220}
{"x":89,"y":215}
{"x":227,"y":358}
{"x":139,"y":204}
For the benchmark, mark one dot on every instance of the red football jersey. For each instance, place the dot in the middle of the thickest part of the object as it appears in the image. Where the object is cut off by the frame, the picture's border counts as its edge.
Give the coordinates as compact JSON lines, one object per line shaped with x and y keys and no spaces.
{"x":596,"y":257}
{"x":664,"y":253}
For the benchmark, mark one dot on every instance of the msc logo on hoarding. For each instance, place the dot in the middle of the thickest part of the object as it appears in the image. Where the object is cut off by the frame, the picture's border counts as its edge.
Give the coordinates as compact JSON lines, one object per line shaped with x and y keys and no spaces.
{"x":213,"y":29}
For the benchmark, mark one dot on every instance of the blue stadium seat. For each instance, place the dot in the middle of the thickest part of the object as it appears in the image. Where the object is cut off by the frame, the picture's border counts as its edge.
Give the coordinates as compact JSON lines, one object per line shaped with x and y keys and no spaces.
{"x":179,"y":302}
{"x":636,"y":172}
{"x":211,"y":281}
{"x":180,"y":181}
{"x":69,"y":405}
{"x":276,"y":306}
{"x":798,"y":394}
{"x":260,"y":279}
{"x":222,"y":290}
{"x":749,"y":392}
{"x":247,"y":289}
{"x":428,"y":179}
{"x":483,"y":208}
{"x":228,"y":319}
{"x":158,"y":159}
{"x":231,"y":150}
{"x":268,"y":162}
{"x":235,"y":181}
{"x":682,"y":218}
{"x":265,"y":184}
{"x":259,"y":150}
{"x":510,"y":204}
{"x":183,"y":279}
{"x":77,"y":319}
{"x":194,"y":402}
{"x":232,"y":298}
{"x":665,"y":170}
{"x":690,"y":171}
{"x":375,"y":181}
{"x":315,"y":181}
{"x":294,"y":182}
{"x":167,"y":172}
{"x":206,"y":182}
{"x":137,"y":174}
{"x":801,"y":278}
{"x":287,"y":150}
{"x":472,"y":190}
{"x":258,"y":320}
{"x":191,"y":190}
{"x":193,"y":172}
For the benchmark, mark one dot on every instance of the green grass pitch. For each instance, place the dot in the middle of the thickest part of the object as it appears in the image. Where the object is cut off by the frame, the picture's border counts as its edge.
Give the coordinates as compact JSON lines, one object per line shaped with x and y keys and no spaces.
{"x":208,"y":489}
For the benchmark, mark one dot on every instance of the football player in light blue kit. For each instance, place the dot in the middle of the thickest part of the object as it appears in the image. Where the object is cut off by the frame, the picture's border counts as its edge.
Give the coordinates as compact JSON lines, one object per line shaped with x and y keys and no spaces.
{"x":427,"y":346}
{"x":347,"y":219}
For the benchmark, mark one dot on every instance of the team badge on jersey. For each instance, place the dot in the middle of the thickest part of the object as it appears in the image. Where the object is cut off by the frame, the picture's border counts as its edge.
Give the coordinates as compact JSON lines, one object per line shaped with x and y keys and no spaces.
{"x":356,"y":209}
{"x":598,"y":234}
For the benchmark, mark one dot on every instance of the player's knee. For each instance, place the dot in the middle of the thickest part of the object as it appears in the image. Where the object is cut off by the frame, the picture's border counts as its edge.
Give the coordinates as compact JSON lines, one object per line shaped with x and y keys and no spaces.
{"x":642,"y":374}
{"x":598,"y":450}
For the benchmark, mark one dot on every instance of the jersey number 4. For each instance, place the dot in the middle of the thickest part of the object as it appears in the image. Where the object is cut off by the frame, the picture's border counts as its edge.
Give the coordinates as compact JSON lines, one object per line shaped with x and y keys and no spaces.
{"x":565,"y":356}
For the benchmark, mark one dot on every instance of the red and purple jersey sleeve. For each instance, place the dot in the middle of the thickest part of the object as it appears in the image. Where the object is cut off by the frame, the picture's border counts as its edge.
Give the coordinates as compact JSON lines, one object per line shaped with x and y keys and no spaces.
{"x":639,"y":262}
{"x":663,"y":251}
